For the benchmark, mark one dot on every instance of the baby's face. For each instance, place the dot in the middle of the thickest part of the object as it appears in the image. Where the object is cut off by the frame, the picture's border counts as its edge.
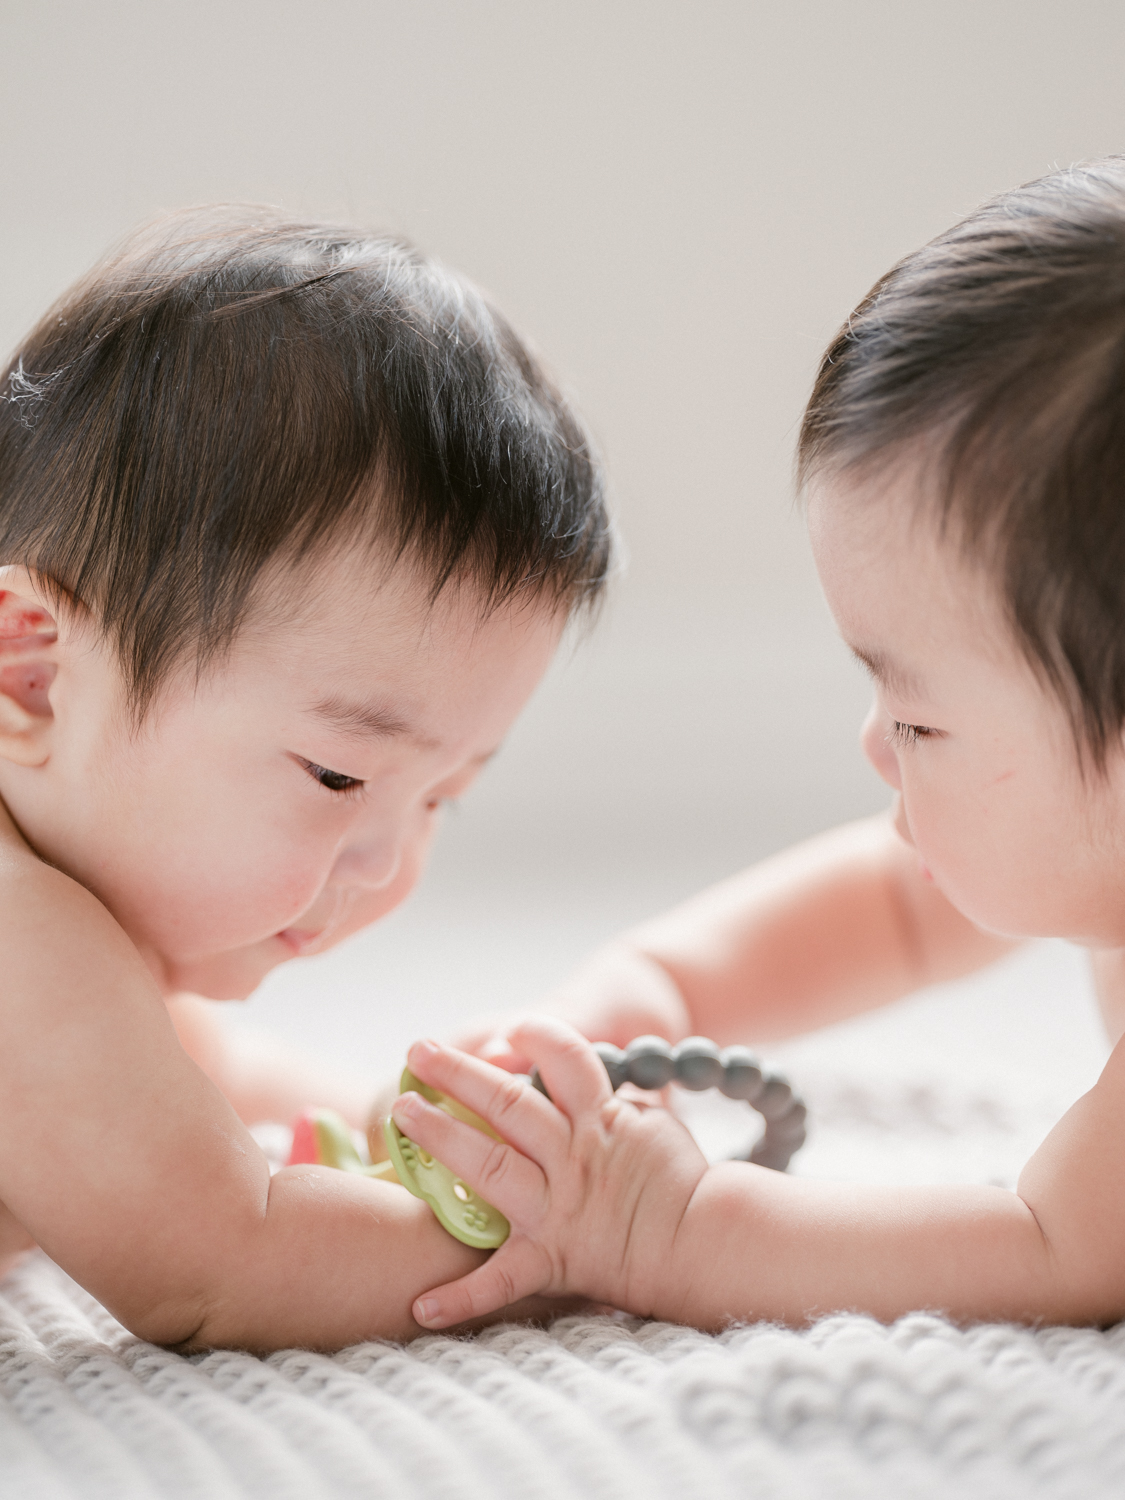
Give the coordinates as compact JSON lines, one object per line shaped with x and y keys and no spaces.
{"x":980,"y":754}
{"x":292,"y":797}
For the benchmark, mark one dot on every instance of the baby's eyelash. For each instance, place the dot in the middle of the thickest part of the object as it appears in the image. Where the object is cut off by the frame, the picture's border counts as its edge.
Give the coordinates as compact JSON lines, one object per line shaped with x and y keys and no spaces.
{"x":333,"y":781}
{"x":907,"y":734}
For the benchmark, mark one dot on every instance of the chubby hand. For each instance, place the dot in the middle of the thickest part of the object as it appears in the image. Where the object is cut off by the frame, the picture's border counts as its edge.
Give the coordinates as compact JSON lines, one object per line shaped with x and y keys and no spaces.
{"x":594,"y":1185}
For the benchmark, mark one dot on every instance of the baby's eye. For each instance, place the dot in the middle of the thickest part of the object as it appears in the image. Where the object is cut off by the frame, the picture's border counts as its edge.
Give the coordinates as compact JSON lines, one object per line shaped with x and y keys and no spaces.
{"x":908,"y":734}
{"x":335,"y":781}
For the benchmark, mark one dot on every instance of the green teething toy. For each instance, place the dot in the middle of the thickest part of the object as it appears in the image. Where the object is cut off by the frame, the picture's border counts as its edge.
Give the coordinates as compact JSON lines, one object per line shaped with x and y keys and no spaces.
{"x":458,"y":1209}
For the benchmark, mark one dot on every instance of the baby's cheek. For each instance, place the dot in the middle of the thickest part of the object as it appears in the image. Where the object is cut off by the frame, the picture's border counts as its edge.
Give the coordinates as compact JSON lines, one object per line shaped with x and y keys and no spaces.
{"x":984,"y":868}
{"x":368,"y":906}
{"x":239,"y":901}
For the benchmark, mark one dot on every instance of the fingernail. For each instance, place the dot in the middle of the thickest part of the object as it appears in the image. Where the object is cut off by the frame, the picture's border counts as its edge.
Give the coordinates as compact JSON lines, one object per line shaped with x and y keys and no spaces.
{"x":405,"y":1107}
{"x":425,"y":1311}
{"x":424,"y":1048}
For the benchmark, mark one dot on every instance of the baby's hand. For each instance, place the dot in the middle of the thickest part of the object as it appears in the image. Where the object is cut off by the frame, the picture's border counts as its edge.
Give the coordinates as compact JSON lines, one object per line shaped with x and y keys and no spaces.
{"x":491,"y":1039}
{"x":593,"y":1184}
{"x":619,"y":993}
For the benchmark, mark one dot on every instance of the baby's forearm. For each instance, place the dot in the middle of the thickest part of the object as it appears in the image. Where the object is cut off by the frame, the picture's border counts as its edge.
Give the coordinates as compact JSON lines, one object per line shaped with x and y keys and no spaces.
{"x":332,"y":1260}
{"x":840,"y":924}
{"x":754,"y":1244}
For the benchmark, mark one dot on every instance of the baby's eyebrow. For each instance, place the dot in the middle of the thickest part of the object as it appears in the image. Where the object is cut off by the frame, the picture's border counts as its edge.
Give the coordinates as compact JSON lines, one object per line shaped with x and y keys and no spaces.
{"x":887,"y":672}
{"x":368,"y":719}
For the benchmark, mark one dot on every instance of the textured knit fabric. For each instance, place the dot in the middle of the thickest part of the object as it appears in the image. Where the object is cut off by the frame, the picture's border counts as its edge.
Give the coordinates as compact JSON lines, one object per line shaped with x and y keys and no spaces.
{"x":592,"y":1409}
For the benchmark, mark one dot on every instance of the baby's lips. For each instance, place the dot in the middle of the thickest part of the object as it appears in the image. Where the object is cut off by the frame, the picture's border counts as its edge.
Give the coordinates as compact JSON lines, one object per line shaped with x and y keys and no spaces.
{"x":298,"y":940}
{"x":301,"y":940}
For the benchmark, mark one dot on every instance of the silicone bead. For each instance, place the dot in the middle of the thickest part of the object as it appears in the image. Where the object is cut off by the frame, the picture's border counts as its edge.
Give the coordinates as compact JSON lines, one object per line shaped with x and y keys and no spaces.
{"x":614,"y":1061}
{"x":771,"y":1153}
{"x":776,"y":1097}
{"x":648,"y":1062}
{"x":798,"y":1113}
{"x":792,"y":1137}
{"x":697,"y":1064}
{"x":742,"y":1074}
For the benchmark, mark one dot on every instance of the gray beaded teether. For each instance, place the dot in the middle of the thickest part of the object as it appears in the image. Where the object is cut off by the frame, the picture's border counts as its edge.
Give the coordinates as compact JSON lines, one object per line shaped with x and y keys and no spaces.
{"x":697,"y":1064}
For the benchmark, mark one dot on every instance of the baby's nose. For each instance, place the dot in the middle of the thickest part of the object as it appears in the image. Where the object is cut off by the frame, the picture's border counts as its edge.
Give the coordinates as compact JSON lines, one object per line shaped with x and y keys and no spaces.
{"x":372,"y":863}
{"x":873,"y":738}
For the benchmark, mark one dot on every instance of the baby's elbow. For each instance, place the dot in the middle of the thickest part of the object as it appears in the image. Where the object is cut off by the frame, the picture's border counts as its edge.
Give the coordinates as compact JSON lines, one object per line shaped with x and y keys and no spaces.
{"x":174,"y":1321}
{"x":190,"y":1311}
{"x":193,"y":1326}
{"x":1073,"y":1277}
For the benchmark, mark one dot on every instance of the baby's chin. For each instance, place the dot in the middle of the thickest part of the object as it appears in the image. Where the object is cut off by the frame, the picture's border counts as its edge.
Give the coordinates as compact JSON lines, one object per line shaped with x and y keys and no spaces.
{"x":1020,"y":921}
{"x":233,"y":975}
{"x":236,"y":973}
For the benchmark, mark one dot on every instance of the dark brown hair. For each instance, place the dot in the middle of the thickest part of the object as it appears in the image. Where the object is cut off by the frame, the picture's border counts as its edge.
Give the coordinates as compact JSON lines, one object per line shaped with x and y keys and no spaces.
{"x":998,"y":351}
{"x":232,"y":389}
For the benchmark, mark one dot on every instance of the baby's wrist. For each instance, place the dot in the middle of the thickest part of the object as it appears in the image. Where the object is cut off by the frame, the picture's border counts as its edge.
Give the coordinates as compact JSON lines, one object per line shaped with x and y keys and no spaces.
{"x":694,"y":1278}
{"x":649,"y":1279}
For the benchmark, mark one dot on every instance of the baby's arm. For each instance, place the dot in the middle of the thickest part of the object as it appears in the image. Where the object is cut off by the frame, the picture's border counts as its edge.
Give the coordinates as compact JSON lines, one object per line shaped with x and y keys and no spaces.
{"x":616,"y":1203}
{"x":262,"y":1077}
{"x":837,"y":925}
{"x":126,"y":1164}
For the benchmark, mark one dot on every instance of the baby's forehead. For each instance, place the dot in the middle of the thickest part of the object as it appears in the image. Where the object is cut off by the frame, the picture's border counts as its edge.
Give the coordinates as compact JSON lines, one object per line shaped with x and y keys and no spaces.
{"x":375,"y":647}
{"x":354,"y":599}
{"x":900,"y":585}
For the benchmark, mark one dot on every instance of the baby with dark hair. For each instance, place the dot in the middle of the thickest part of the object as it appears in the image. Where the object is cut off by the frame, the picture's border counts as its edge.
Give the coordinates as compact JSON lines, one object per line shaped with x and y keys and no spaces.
{"x":963,"y":460}
{"x":290,"y":525}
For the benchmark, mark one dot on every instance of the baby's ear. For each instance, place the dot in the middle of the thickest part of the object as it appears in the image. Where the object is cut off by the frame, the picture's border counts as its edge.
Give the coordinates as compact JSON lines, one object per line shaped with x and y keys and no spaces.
{"x":28,"y":663}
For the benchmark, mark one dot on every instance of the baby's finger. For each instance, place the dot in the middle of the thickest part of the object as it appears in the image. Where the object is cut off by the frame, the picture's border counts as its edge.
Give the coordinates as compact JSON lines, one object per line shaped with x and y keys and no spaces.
{"x":510,"y":1182}
{"x":518,"y":1269}
{"x":500,"y":1053}
{"x":514,"y":1110}
{"x":573,"y":1072}
{"x":489,"y":1040}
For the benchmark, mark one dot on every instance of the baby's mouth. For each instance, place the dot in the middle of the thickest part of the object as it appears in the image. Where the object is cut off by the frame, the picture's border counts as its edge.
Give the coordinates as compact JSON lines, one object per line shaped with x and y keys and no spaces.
{"x":303,"y":939}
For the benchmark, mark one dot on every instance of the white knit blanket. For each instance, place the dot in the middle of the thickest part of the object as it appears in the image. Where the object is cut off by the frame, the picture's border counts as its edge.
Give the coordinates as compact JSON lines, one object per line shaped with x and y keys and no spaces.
{"x":596,"y":1408}
{"x":590,"y":1408}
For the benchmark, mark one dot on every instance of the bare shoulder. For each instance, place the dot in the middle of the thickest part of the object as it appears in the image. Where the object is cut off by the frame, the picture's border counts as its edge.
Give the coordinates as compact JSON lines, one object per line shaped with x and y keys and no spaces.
{"x":56,"y":934}
{"x":81,"y":1016}
{"x":1075,"y":1186}
{"x":1108,"y":967}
